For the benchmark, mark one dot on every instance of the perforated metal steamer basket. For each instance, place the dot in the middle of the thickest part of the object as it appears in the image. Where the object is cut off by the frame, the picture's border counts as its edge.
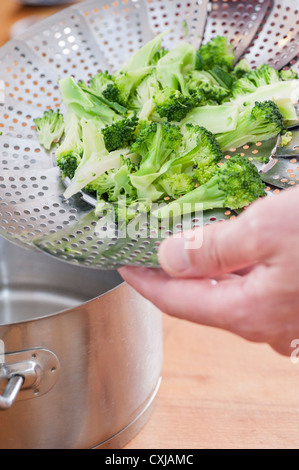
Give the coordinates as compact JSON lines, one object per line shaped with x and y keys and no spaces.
{"x":90,"y":368}
{"x":80,"y":41}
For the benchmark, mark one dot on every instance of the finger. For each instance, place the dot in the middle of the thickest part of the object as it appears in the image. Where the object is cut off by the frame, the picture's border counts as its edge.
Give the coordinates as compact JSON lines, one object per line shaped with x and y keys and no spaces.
{"x":229,"y":246}
{"x":233,"y":245}
{"x":205,"y":301}
{"x":282,"y":346}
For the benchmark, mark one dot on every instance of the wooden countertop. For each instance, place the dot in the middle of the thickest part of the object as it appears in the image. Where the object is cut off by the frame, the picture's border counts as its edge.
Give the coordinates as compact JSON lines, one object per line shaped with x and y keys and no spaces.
{"x":217,"y":391}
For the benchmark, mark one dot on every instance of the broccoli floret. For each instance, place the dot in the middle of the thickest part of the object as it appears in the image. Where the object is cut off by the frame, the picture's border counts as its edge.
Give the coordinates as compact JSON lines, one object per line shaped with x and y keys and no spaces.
{"x":145,"y":133}
{"x":69,"y":153}
{"x":202,"y":84}
{"x":114,"y":183}
{"x":288,"y":75}
{"x":241,"y":69}
{"x":135,"y":69}
{"x":100,"y":81}
{"x":85,"y":104}
{"x":95,"y":161}
{"x":103,"y":86}
{"x":251,"y":81}
{"x":236,"y":184}
{"x":174,"y":105}
{"x":68,"y":165}
{"x":261,"y":122}
{"x":155,"y":142}
{"x":102,"y":184}
{"x":199,"y":151}
{"x":174,"y":67}
{"x":50,"y":128}
{"x":120,"y":133}
{"x":264,"y":84}
{"x":286,"y":138}
{"x":197,"y":78}
{"x":218,"y":51}
{"x":159,"y":54}
{"x":176,"y":184}
{"x":126,"y":83}
{"x":125,"y":210}
{"x":263,"y":75}
{"x":223,"y":78}
{"x":112,"y":93}
{"x":141,"y":100}
{"x":122,"y":185}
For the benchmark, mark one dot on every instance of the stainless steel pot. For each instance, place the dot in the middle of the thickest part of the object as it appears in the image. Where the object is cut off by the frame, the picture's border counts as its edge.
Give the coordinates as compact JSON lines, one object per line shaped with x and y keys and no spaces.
{"x":83,"y":354}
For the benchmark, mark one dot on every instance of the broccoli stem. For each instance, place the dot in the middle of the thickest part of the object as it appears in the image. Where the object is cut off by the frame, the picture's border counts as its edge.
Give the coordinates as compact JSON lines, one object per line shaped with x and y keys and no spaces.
{"x":275,"y":91}
{"x":73,"y":94}
{"x":205,"y":197}
{"x":93,"y":168}
{"x":215,"y":119}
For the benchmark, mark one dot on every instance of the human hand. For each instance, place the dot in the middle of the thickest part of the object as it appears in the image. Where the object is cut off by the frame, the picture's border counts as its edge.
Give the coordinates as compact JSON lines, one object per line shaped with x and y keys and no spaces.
{"x":244,"y":278}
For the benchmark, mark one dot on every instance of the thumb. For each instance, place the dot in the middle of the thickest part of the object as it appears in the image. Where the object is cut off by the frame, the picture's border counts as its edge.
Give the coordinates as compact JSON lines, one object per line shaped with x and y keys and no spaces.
{"x":225,"y":247}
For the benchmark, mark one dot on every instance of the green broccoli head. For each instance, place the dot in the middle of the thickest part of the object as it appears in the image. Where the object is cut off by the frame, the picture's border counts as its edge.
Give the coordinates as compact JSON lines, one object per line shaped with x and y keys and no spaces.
{"x":141,"y":100}
{"x":263,"y":75}
{"x":140,"y":64}
{"x":69,"y":153}
{"x":100,"y":81}
{"x":112,"y":93}
{"x":241,"y":69}
{"x":68,"y":164}
{"x":145,"y":133}
{"x":104,"y":84}
{"x":256,"y":123}
{"x":50,"y":128}
{"x":236,"y":184}
{"x":155,"y":142}
{"x":288,"y":74}
{"x":174,"y":105}
{"x":286,"y":138}
{"x":200,"y":151}
{"x":103,"y":91}
{"x":240,"y":182}
{"x":251,"y":81}
{"x":202,"y":84}
{"x":120,"y":133}
{"x":126,"y":83}
{"x":209,"y":95}
{"x":85,"y":102}
{"x":158,"y":55}
{"x":113,"y":184}
{"x":218,"y":51}
{"x":175,"y":184}
{"x":174,"y":67}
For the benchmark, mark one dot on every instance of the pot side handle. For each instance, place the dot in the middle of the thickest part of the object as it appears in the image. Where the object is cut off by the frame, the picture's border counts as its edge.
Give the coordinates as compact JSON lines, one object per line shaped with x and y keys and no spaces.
{"x":11,"y":391}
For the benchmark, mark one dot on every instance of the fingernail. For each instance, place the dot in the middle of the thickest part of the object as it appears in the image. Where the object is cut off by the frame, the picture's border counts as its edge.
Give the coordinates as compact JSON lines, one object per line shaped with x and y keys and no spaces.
{"x":173,"y":255}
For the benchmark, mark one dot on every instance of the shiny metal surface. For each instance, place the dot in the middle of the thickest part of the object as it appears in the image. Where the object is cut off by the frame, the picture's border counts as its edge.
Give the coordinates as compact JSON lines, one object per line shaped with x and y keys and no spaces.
{"x":11,"y":391}
{"x":283,"y":170}
{"x":106,"y":337}
{"x":277,"y":43}
{"x":239,"y":21}
{"x":82,"y":40}
{"x":39,"y":369}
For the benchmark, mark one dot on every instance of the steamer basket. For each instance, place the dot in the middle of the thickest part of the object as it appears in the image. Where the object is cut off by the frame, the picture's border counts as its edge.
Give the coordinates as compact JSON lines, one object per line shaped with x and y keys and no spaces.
{"x":99,"y":35}
{"x":83,"y":352}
